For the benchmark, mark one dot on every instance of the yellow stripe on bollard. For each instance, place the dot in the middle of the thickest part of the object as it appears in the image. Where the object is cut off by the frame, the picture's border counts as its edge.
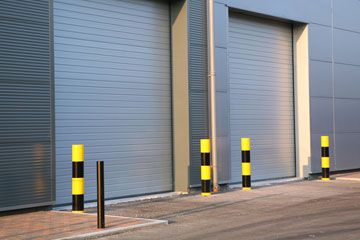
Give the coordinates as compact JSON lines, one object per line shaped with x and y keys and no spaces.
{"x":205,"y":173}
{"x":325,"y":141}
{"x":246,"y":169}
{"x":245,"y":144}
{"x":325,"y":162}
{"x":205,"y":146}
{"x":78,"y":186}
{"x":78,"y":152}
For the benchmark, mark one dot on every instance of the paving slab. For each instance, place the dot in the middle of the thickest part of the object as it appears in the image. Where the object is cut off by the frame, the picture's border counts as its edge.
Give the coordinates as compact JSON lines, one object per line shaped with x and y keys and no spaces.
{"x":65,"y":225}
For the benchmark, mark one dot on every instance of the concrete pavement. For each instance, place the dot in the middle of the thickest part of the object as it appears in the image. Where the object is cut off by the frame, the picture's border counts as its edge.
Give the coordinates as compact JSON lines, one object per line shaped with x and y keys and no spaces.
{"x":300,"y":210}
{"x":292,"y":210}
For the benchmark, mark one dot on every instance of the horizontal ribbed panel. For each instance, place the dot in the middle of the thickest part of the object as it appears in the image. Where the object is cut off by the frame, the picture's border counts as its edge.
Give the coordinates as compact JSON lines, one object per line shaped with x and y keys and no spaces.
{"x":197,"y":84}
{"x":261,"y":96}
{"x":25,"y":104}
{"x":30,"y":11}
{"x":112,"y":79}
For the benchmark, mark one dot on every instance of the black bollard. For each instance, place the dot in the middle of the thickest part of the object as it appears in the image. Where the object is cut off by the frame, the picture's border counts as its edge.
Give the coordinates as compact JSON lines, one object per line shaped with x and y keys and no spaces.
{"x":100,"y":195}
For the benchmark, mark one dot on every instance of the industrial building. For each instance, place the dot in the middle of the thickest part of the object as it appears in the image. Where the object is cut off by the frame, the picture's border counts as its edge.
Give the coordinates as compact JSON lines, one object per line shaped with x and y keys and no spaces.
{"x":129,"y":80}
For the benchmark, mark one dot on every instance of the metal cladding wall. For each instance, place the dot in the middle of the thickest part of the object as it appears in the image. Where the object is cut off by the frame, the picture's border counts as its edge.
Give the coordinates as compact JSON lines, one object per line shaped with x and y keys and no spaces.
{"x":26,"y":176}
{"x":261,"y":96}
{"x":334,"y":45}
{"x":198,"y":83}
{"x":198,"y":87}
{"x":113,"y":94}
{"x":346,"y":84}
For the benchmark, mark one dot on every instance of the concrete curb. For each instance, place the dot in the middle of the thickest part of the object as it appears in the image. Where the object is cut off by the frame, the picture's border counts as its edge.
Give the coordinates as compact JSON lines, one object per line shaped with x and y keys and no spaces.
{"x":348,"y":179}
{"x":107,"y":232}
{"x":268,"y":182}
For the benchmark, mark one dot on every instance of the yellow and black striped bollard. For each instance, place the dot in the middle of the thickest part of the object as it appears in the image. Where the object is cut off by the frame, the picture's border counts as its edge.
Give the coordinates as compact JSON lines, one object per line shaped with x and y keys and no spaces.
{"x":78,"y":178}
{"x":205,"y":167}
{"x":325,"y":159}
{"x":245,"y":165}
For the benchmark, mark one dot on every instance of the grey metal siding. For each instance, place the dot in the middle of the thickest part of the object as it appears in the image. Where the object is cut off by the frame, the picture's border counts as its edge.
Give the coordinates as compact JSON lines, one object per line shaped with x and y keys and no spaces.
{"x":261,"y":96}
{"x":333,"y":49}
{"x":26,"y":175}
{"x":113,"y":94}
{"x":198,"y":86}
{"x":346,"y":74}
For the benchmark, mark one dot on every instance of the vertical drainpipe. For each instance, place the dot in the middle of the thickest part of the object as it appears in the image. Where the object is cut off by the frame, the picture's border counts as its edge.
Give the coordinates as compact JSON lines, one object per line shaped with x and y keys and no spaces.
{"x":212,"y":91}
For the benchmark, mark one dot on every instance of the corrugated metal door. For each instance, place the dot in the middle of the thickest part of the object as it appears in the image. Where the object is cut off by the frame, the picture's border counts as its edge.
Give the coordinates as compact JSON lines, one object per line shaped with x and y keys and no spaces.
{"x":112,"y":76}
{"x":262,"y":96}
{"x":26,"y":166}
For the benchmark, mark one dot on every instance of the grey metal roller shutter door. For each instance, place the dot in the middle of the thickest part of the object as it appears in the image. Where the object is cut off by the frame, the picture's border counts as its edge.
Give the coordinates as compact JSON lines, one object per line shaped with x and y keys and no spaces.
{"x":112,"y":84}
{"x":26,"y":163}
{"x":262,"y":96}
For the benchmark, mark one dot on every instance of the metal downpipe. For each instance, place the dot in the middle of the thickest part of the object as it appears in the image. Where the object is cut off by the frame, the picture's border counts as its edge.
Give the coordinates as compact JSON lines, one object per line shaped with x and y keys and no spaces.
{"x":212,"y":91}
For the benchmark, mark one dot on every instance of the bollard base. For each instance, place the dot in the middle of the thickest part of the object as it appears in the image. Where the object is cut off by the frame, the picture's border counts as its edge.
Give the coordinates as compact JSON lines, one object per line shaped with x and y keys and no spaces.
{"x":77,"y":211}
{"x":246,"y":188}
{"x":205,"y":194}
{"x":325,"y":179}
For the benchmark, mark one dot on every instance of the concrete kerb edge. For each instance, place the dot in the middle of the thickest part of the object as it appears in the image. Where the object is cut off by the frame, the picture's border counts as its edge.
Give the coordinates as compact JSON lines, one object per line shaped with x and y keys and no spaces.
{"x":347,"y":179}
{"x":268,"y":182}
{"x":107,"y":232}
{"x":114,"y":216}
